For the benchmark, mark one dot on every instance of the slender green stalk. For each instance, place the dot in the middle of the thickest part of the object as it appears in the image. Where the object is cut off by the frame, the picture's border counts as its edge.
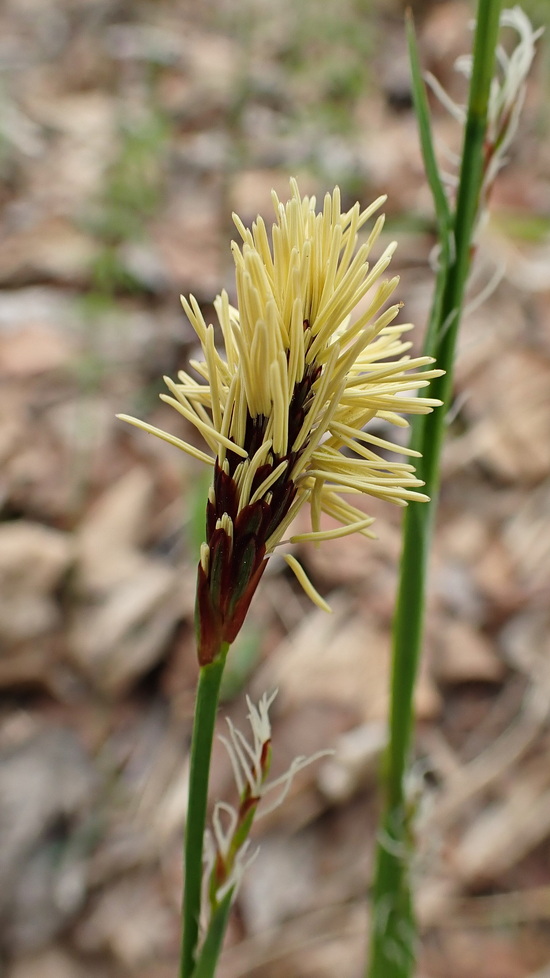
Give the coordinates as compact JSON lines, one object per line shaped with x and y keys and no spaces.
{"x":206,"y":706}
{"x":393,"y":935}
{"x":208,"y":958}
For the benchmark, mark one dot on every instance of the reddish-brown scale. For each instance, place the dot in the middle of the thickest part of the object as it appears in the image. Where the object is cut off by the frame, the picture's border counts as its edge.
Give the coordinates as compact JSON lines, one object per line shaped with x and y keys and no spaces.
{"x":280,"y":505}
{"x":250,"y":520}
{"x":208,"y":622}
{"x":220,"y":871}
{"x":236,"y":566}
{"x":244,"y":565}
{"x":262,"y":473}
{"x":210,"y":519}
{"x":219,"y":567}
{"x":246,"y":805}
{"x":225,"y":492}
{"x":300,"y":401}
{"x":232,"y":627}
{"x":265,"y":756}
{"x":255,"y":433}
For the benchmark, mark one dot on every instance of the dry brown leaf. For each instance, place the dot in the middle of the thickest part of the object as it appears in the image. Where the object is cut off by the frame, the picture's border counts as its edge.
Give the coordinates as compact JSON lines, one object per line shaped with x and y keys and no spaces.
{"x":494,"y":573}
{"x":33,"y":349}
{"x":505,"y":831}
{"x":510,"y":407}
{"x":313,"y":945}
{"x":281,"y":883}
{"x":53,"y":963}
{"x":130,"y":920}
{"x":41,"y":893}
{"x":188,"y":243}
{"x":341,"y":659}
{"x":118,"y":641}
{"x":33,"y":556}
{"x":251,"y":193}
{"x":83,"y":426}
{"x":356,"y":761}
{"x":71,"y":173}
{"x":33,"y":559}
{"x":52,"y":249}
{"x":107,"y":539}
{"x":463,"y":654}
{"x":527,"y":536}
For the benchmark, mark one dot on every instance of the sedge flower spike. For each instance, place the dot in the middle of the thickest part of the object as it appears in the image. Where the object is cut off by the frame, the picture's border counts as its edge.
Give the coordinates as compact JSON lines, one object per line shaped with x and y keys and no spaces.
{"x":507,"y":93}
{"x":299,"y":381}
{"x":227,"y":853}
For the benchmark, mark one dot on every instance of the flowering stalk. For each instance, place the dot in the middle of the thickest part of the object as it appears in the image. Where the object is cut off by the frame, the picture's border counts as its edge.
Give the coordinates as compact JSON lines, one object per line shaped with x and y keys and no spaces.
{"x":506,"y":97}
{"x":226,"y":848}
{"x":297,"y":387}
{"x":206,"y":706}
{"x":490,"y":121}
{"x":299,"y":383}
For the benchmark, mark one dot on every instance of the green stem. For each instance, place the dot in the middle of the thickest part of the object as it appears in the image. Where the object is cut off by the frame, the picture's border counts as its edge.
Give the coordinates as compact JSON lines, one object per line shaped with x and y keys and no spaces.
{"x":393,"y":937}
{"x":210,"y":951}
{"x":206,"y":706}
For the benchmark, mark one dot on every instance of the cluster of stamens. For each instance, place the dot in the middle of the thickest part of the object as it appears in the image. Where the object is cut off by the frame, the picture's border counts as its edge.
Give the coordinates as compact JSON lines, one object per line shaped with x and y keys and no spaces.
{"x":285,"y":411}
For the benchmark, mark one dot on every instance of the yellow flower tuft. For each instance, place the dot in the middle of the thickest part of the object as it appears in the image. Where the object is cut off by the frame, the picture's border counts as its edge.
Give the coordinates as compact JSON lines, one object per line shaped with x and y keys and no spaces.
{"x":299,"y":382}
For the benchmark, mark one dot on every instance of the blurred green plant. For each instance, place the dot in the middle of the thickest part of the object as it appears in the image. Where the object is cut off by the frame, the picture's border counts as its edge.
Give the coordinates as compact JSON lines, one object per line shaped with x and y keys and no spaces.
{"x":320,"y":58}
{"x":496,"y":94}
{"x":328,"y":53}
{"x":531,"y":228}
{"x":131,"y":197}
{"x":134,"y":183}
{"x":241,"y":663}
{"x":538,"y":11}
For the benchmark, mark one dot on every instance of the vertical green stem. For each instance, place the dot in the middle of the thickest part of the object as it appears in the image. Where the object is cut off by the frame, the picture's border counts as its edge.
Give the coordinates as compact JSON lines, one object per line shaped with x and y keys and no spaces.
{"x":393,"y":935}
{"x":210,"y":951}
{"x":206,"y":706}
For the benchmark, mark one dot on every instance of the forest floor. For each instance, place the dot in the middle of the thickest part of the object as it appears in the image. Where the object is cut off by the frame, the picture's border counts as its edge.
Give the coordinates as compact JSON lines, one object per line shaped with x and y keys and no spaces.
{"x":129,"y":132}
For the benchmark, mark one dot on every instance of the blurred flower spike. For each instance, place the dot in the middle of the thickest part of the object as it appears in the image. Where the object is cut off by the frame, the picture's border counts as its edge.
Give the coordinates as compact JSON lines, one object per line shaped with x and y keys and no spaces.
{"x":507,"y":92}
{"x":299,"y":381}
{"x":227,"y":848}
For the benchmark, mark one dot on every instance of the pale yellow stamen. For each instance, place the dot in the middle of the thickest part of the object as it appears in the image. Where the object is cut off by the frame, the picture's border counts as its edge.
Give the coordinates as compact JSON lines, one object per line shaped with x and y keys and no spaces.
{"x":268,"y":481}
{"x":213,"y":377}
{"x":344,"y":512}
{"x":276,"y":537}
{"x":171,"y":439}
{"x":322,"y":426}
{"x":209,"y":433}
{"x":304,"y":580}
{"x":225,"y":523}
{"x":246,"y":476}
{"x":317,"y":536}
{"x":194,"y":315}
{"x":205,"y":557}
{"x":277,"y":377}
{"x":318,"y":401}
